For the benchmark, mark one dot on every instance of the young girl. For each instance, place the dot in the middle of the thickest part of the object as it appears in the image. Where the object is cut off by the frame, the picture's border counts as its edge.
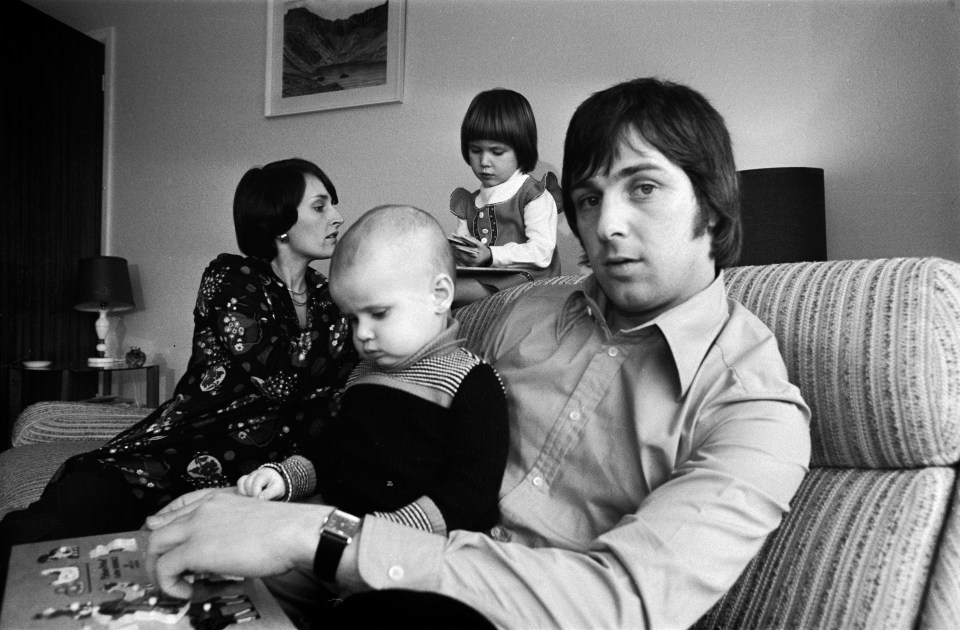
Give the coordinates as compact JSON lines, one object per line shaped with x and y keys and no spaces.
{"x":510,"y":224}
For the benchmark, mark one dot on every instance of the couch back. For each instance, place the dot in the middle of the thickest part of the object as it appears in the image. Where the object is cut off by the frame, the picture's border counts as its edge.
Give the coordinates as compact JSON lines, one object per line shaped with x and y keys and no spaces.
{"x":874,"y":346}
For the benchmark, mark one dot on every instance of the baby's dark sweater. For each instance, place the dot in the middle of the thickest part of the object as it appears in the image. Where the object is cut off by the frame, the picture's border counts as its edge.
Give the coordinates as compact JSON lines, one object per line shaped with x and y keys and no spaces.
{"x":436,"y":431}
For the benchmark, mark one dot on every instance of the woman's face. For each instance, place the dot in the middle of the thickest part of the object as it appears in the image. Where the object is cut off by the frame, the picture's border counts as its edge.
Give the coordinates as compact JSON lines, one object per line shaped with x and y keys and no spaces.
{"x":314,"y":235}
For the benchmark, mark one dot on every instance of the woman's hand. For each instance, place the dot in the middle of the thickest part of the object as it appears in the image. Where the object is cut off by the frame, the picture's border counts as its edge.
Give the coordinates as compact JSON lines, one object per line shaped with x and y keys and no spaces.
{"x":227,"y":534}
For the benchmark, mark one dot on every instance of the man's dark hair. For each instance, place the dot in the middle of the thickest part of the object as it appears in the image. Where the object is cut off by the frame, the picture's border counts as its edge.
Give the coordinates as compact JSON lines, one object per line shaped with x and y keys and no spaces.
{"x":678,"y":122}
{"x":502,"y":115}
{"x":266,"y":200}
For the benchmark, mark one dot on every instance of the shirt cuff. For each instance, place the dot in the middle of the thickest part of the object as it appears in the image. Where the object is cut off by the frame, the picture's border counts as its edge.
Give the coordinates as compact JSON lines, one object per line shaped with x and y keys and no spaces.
{"x":391,"y":555}
{"x":421,"y":514}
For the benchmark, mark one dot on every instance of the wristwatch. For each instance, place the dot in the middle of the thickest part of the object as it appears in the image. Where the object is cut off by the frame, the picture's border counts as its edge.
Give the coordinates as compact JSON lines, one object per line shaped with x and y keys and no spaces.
{"x":339,"y":530}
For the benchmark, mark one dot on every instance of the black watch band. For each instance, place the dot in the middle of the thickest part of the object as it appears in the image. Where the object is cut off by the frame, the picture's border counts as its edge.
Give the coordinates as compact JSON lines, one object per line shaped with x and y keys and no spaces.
{"x":339,"y":530}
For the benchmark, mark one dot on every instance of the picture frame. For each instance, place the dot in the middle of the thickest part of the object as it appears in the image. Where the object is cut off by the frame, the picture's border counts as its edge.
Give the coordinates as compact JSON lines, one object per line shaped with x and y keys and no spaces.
{"x":305,"y":73}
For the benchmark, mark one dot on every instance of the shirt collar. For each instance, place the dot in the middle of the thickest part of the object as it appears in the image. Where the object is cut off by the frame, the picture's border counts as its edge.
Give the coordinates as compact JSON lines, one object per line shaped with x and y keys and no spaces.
{"x":443,"y":343}
{"x":689,"y":328}
{"x":501,"y":192}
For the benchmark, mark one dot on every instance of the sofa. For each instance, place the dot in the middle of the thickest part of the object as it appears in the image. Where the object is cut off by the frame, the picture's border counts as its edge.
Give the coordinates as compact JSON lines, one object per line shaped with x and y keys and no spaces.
{"x":873,"y":536}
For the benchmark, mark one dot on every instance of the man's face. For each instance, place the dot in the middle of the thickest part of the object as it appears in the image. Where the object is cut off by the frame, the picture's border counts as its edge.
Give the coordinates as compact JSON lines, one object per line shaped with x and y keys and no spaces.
{"x":637,"y":227}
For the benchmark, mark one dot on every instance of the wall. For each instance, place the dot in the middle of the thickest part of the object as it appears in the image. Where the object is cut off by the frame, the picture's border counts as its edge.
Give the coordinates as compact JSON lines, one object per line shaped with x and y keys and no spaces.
{"x":868,"y":90}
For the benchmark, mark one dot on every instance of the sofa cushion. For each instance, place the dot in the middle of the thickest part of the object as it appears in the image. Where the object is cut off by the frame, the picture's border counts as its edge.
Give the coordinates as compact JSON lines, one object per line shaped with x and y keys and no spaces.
{"x":48,"y":421}
{"x":27,"y":469}
{"x":476,"y":318}
{"x":854,"y":335}
{"x":855,"y":552}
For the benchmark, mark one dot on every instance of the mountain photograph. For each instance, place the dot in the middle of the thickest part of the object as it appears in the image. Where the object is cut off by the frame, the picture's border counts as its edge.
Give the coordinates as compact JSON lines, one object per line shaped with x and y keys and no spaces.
{"x":327,"y":55}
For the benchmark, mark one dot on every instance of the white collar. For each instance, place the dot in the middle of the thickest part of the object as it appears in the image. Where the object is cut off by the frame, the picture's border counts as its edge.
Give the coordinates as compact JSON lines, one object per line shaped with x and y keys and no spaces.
{"x":501,"y":192}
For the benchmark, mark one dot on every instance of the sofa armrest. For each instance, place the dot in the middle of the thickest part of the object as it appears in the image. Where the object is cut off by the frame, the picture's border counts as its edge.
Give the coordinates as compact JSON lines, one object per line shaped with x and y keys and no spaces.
{"x":52,"y":421}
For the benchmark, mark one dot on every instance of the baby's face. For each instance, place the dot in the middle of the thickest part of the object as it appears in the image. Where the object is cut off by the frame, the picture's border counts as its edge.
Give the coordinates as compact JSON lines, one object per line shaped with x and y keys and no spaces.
{"x":393,"y":311}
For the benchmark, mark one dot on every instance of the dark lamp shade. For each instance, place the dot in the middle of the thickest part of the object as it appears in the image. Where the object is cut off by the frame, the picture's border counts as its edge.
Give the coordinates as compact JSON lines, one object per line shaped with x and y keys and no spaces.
{"x":783,"y":215}
{"x":104,"y":280}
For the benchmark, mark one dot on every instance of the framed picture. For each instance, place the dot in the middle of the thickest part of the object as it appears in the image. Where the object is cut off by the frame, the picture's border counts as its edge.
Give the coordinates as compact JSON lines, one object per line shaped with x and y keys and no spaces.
{"x":331,"y":54}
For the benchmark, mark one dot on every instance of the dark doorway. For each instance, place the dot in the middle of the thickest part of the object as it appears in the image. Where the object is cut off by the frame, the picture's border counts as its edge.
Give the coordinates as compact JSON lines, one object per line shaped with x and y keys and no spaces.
{"x":51,"y":178}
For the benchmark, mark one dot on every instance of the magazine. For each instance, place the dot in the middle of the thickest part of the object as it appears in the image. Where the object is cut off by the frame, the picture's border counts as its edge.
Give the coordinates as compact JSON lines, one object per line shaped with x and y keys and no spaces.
{"x":101,"y":582}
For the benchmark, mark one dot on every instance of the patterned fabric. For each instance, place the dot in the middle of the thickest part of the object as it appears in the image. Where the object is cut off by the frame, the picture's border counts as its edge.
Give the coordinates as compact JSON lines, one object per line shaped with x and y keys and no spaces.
{"x":853,"y":334}
{"x":942,"y":607}
{"x":50,"y":421}
{"x":257,"y":388}
{"x":855,"y":552}
{"x":476,"y":318}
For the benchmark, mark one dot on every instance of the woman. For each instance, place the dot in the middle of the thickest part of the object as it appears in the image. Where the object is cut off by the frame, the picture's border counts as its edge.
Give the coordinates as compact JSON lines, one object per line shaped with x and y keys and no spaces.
{"x":271,"y":353}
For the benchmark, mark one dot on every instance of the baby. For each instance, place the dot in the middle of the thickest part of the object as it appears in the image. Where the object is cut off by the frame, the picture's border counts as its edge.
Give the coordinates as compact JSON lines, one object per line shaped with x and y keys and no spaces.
{"x":422,"y":433}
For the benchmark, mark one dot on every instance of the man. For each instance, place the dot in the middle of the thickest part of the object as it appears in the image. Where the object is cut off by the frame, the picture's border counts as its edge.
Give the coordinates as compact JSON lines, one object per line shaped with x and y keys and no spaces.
{"x":655,"y":438}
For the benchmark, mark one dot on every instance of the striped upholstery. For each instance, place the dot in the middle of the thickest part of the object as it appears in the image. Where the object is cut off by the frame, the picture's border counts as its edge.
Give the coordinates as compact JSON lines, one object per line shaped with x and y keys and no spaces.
{"x":874,"y":346}
{"x":45,"y":434}
{"x":942,"y":608}
{"x":49,"y":421}
{"x":855,"y":552}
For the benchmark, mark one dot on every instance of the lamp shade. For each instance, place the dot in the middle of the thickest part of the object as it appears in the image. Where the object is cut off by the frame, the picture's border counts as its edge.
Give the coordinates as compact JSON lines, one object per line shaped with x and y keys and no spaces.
{"x":783,"y":215}
{"x":104,"y":280}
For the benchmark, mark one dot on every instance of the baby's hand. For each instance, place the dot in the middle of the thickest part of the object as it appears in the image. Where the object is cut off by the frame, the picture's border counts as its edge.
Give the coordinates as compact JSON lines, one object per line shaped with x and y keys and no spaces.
{"x":263,"y":483}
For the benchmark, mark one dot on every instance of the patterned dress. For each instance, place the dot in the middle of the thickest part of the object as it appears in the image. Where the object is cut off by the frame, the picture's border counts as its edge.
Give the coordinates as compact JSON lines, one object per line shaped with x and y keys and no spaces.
{"x":258,"y":387}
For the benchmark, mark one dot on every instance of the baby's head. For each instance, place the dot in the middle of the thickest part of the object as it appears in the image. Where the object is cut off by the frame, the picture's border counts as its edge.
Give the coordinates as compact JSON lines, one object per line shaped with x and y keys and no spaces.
{"x":392,"y":276}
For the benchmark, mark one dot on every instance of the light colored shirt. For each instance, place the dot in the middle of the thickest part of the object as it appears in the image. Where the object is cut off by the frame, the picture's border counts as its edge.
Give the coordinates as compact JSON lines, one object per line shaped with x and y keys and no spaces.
{"x":539,"y":225}
{"x":646,"y":468}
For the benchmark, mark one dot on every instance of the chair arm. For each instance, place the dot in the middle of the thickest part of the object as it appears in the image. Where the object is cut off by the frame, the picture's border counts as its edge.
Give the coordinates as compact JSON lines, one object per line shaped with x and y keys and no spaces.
{"x":52,"y":421}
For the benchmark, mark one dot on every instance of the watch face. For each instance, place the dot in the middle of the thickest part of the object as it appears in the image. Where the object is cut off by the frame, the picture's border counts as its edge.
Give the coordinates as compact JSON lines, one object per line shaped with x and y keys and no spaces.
{"x":342,"y":524}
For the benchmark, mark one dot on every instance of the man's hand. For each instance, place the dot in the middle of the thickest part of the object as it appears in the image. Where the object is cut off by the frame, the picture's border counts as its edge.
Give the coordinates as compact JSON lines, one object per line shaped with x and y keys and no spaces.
{"x":221,"y":532}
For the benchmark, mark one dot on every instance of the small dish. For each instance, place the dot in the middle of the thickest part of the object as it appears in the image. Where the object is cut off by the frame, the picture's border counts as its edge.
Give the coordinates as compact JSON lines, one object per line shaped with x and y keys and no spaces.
{"x":36,"y":365}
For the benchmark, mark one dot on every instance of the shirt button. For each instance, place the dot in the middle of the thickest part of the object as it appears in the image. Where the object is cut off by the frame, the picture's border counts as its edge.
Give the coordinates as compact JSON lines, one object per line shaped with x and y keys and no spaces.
{"x":613,"y":351}
{"x":484,"y":231}
{"x":484,"y":240}
{"x":395,"y":573}
{"x":479,"y":215}
{"x":538,"y":481}
{"x":574,"y":415}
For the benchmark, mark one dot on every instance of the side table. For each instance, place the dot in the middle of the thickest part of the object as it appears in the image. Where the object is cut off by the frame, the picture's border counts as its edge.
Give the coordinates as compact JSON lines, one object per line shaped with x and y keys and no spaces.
{"x":71,"y":382}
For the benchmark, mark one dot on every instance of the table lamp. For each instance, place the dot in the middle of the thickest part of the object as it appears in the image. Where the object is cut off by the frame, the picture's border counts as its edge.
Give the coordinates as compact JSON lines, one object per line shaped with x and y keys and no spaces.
{"x":103,"y":286}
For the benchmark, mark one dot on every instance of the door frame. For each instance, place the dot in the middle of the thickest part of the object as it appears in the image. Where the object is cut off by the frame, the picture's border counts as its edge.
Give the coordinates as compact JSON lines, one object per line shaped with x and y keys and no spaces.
{"x":108,"y":37}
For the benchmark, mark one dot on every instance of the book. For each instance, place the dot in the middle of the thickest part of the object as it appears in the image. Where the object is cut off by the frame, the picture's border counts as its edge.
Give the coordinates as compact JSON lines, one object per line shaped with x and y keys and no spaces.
{"x":102,"y":582}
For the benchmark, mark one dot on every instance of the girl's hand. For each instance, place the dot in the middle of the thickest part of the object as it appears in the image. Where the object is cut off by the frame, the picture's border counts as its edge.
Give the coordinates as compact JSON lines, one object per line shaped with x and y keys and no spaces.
{"x":263,"y":484}
{"x":470,"y":252}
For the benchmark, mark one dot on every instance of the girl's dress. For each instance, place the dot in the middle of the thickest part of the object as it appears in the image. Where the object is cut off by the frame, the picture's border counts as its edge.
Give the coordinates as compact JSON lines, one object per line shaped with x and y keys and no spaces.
{"x":517,"y":220}
{"x":258,"y":388}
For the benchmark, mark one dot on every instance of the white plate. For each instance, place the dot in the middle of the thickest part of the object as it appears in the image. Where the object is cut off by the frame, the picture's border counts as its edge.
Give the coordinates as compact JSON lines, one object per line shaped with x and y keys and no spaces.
{"x":33,"y":365}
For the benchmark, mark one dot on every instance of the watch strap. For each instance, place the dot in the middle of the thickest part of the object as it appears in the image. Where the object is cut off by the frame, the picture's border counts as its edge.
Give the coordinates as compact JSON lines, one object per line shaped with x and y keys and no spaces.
{"x":339,"y":530}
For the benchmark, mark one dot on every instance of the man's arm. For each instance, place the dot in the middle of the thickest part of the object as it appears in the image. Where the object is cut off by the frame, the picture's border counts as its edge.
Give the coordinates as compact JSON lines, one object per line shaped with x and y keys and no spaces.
{"x":213,"y":531}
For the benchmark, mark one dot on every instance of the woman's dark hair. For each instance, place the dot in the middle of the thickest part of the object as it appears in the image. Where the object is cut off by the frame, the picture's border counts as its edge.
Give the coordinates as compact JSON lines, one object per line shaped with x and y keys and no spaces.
{"x":505,"y":116}
{"x":678,"y":122}
{"x":266,"y":200}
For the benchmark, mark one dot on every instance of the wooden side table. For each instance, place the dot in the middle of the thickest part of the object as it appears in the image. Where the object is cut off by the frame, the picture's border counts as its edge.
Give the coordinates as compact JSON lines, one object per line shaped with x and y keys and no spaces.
{"x":72,"y":382}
